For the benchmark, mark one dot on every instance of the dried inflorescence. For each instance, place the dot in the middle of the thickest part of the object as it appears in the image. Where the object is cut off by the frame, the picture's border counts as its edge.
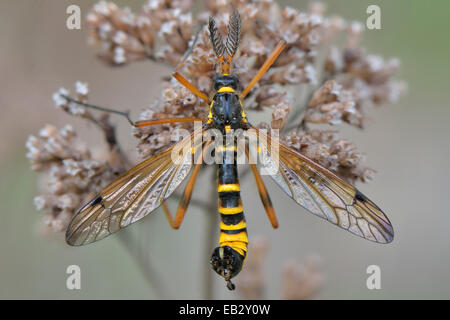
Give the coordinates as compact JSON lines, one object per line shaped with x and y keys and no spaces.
{"x":332,"y":105}
{"x":360,"y":81}
{"x":72,"y":174}
{"x":314,"y":81}
{"x":125,"y":36}
{"x":338,"y":155}
{"x":70,"y":170}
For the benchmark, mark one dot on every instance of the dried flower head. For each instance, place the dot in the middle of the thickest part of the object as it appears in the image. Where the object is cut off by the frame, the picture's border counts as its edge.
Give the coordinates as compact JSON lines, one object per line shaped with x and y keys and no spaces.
{"x":72,"y":174}
{"x":338,"y":155}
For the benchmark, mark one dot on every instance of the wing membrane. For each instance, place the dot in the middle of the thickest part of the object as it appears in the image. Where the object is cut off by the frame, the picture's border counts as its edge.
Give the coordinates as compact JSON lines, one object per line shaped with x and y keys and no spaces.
{"x":323,"y":193}
{"x":133,"y":195}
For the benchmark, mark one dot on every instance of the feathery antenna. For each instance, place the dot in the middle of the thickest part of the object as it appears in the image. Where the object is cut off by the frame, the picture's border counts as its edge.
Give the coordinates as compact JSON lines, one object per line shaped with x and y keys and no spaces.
{"x":226,"y":51}
{"x":234,"y":34}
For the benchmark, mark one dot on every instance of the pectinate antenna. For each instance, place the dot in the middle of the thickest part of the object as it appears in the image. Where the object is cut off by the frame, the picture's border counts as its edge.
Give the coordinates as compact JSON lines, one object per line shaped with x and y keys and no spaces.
{"x":225,"y":52}
{"x":234,"y":34}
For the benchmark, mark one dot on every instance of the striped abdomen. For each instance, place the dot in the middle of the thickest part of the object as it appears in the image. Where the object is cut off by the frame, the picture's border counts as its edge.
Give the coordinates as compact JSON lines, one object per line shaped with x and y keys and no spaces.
{"x":227,"y":259}
{"x":233,"y":229}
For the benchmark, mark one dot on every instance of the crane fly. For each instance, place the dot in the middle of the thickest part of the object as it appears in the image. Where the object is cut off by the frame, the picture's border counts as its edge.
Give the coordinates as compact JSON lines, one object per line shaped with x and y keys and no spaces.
{"x":145,"y":187}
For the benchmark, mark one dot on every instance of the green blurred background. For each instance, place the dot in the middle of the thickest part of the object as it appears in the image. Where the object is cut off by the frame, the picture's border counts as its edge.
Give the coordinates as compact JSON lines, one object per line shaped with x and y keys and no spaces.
{"x":406,"y":143}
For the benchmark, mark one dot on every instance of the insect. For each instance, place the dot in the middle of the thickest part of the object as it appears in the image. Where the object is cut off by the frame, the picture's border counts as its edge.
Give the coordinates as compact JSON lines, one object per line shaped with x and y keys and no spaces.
{"x":145,"y":187}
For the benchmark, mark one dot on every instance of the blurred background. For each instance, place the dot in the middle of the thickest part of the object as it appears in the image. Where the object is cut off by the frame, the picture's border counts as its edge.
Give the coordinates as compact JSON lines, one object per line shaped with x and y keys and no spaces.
{"x":406,"y":143}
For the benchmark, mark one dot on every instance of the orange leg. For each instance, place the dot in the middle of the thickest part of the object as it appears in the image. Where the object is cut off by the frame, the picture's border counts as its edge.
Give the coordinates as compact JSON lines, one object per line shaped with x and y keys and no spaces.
{"x":184,"y":202}
{"x":270,"y":60}
{"x":185,"y":82}
{"x":145,"y":123}
{"x":191,"y":87}
{"x":267,"y":203}
{"x":167,"y":212}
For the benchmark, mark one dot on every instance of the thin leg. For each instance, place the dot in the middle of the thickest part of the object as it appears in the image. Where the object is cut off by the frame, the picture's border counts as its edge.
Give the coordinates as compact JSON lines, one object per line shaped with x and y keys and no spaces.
{"x":87,"y":105}
{"x":185,"y":82}
{"x":145,"y":123}
{"x":270,"y":60}
{"x":267,"y":203}
{"x":167,"y":212}
{"x":184,"y":202}
{"x":138,"y":124}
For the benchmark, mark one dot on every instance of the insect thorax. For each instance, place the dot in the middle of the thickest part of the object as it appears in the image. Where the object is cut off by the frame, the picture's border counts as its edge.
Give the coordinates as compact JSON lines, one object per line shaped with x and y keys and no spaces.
{"x":226,"y":109}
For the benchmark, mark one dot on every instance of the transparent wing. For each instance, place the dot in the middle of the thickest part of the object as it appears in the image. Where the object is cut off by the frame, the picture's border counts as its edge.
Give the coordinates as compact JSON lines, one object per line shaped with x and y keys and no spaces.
{"x":133,"y":195}
{"x":322,"y":192}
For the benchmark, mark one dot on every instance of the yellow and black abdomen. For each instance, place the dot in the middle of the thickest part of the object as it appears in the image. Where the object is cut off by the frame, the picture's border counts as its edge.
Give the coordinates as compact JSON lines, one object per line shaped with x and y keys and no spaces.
{"x":233,"y":229}
{"x":233,"y":241}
